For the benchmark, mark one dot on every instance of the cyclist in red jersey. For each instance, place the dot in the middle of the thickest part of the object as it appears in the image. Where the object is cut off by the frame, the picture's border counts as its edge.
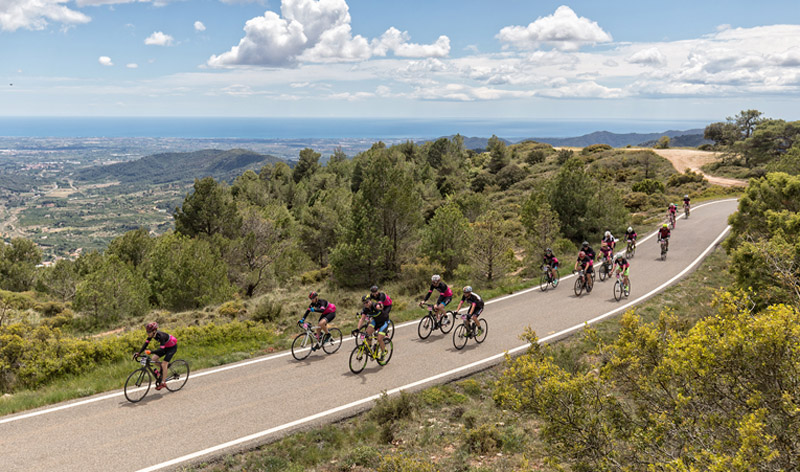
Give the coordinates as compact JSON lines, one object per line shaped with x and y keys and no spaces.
{"x":167,"y":349}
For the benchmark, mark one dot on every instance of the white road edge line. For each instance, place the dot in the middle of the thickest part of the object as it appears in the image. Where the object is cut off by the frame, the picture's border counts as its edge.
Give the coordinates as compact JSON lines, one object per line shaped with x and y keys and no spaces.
{"x":283,"y":354}
{"x":323,"y":414}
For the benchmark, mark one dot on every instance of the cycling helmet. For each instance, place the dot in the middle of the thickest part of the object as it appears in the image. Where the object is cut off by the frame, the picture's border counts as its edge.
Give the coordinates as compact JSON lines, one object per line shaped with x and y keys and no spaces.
{"x":365,"y":298}
{"x":373,"y":289}
{"x":585,"y":243}
{"x":618,"y":258}
{"x":152,"y":326}
{"x":467,"y":289}
{"x":664,"y":225}
{"x":312,"y":295}
{"x":608,"y":234}
{"x":630,"y":229}
{"x":548,"y":251}
{"x":686,"y":196}
{"x":435,"y":278}
{"x":581,"y":254}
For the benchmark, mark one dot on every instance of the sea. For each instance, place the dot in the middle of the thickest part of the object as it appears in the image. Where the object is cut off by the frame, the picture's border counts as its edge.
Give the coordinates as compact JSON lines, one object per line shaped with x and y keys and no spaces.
{"x":324,"y":128}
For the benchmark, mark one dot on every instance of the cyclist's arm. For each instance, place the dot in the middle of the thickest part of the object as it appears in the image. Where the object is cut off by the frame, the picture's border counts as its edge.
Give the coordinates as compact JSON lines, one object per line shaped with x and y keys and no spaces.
{"x":428,"y":295}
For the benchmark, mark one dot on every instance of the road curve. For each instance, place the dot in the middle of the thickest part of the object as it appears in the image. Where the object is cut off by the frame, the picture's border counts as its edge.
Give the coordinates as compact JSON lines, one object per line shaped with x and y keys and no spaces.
{"x":241,"y":405}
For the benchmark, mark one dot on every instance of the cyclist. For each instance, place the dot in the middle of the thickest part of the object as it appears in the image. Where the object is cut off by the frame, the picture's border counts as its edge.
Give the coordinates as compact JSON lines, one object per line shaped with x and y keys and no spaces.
{"x":609,"y":239}
{"x":606,"y":253}
{"x":630,"y":236}
{"x":551,"y":262}
{"x":475,"y":307}
{"x":664,"y":234}
{"x":585,"y":263}
{"x":374,"y":294}
{"x":588,"y":250}
{"x":445,"y":296}
{"x":623,"y":266}
{"x":686,"y":202}
{"x":372,"y":315}
{"x":671,"y":213}
{"x":327,"y":313}
{"x":166,"y":350}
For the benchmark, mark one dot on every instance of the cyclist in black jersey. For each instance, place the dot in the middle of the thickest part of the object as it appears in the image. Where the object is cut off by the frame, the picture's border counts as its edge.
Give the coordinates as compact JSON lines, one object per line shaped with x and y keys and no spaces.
{"x":372,"y":315}
{"x":445,"y":296}
{"x":475,"y":305}
{"x":378,"y":296}
{"x":168,"y":346}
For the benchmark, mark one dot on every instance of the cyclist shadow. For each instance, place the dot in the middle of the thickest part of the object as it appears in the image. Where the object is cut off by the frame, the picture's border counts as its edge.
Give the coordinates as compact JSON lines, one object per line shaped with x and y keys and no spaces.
{"x":312,"y":359}
{"x":363,"y":375}
{"x":151,"y":397}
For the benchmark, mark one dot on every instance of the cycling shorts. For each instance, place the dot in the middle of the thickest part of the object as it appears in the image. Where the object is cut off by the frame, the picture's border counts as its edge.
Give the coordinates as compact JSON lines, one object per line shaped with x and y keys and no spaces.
{"x":477,"y":312}
{"x":386,"y":310}
{"x":380,"y":323}
{"x":442,"y":300}
{"x":166,"y":353}
{"x":329,"y":317}
{"x":625,"y":271}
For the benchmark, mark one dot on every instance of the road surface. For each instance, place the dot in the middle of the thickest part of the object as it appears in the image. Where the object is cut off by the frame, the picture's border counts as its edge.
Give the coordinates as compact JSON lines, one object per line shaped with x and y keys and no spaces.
{"x":241,"y":405}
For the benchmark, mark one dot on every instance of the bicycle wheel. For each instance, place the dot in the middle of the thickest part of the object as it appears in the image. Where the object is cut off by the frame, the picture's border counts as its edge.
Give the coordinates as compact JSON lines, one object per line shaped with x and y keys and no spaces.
{"x":425,"y":326}
{"x":448,"y":320}
{"x":301,"y":346}
{"x":358,"y":359}
{"x":663,"y":252}
{"x":389,"y":350}
{"x":617,"y":290}
{"x":460,"y":337}
{"x":686,"y":212}
{"x":578,"y":286}
{"x":178,"y":375}
{"x":629,"y":251}
{"x":543,"y":283}
{"x":483,"y":328}
{"x":137,"y":385}
{"x":334,"y":342}
{"x":603,"y":271}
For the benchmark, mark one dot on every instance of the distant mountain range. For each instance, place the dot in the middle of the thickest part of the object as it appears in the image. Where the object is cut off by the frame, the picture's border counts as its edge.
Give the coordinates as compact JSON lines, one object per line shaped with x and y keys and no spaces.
{"x":180,"y":167}
{"x":692,"y":137}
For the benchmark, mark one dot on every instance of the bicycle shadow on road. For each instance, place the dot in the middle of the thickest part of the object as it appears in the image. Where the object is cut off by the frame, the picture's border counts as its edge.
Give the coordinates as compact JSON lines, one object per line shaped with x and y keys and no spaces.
{"x":151,"y":397}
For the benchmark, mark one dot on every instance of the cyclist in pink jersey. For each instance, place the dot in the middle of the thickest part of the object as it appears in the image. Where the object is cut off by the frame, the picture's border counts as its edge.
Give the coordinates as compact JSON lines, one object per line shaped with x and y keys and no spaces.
{"x":167,"y":349}
{"x":445,"y":296}
{"x":327,"y":312}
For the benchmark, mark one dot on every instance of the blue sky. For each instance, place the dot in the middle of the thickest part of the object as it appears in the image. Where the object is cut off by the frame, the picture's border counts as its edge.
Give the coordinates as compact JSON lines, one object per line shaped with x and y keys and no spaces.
{"x":511,"y":59}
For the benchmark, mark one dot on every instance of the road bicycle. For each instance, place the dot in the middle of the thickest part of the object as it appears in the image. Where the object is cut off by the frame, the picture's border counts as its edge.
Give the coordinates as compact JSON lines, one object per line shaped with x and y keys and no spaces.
{"x":389,"y":330}
{"x":671,"y":218}
{"x":630,"y":250}
{"x":549,"y":278}
{"x":138,"y":383}
{"x":368,"y":349}
{"x":621,"y":289}
{"x":307,"y":341}
{"x":580,"y":282}
{"x":606,"y":266}
{"x":686,"y":210}
{"x":467,"y":330}
{"x":428,"y":322}
{"x":664,"y":248}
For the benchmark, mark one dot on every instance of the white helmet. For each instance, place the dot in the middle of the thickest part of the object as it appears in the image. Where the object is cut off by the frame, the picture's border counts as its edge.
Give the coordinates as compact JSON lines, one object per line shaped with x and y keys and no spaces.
{"x":608,"y":234}
{"x":435,"y":278}
{"x":468,"y":289}
{"x":686,"y":196}
{"x":630,"y":229}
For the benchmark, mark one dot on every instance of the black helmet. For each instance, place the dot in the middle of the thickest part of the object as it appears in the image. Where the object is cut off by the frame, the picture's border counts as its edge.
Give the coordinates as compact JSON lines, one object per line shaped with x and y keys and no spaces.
{"x":365,"y":298}
{"x":312,"y":295}
{"x":373,"y":289}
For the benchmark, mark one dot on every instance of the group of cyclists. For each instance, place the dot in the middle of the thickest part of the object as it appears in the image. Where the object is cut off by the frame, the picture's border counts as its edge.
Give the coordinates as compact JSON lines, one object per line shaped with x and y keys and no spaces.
{"x":376,"y":305}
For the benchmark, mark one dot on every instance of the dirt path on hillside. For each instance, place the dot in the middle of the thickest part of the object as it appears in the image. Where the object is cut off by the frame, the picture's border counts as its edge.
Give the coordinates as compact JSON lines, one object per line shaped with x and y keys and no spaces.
{"x":693,"y":159}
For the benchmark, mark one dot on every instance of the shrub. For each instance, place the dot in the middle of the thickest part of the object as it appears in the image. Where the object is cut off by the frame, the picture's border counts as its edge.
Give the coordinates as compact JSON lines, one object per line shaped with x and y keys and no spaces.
{"x":563,"y":156}
{"x":363,"y":456}
{"x":315,"y":276}
{"x":471,"y":387}
{"x":535,"y":156}
{"x":648,"y":186}
{"x":564,"y":248}
{"x":483,"y":439}
{"x":705,"y":147}
{"x":402,"y":463}
{"x":509,"y":175}
{"x":232,"y":309}
{"x":267,"y":311}
{"x":390,"y":409}
{"x":414,"y":278}
{"x":636,"y":201}
{"x":595,"y":148}
{"x":687,"y":177}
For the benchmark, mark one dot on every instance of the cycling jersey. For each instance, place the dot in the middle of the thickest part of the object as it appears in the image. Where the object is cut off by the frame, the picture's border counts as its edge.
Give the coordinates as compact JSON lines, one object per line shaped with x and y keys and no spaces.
{"x":622,"y":263}
{"x":630,"y":236}
{"x":442,"y":288}
{"x":551,"y":261}
{"x":686,"y":201}
{"x":586,"y":264}
{"x":373,"y":310}
{"x":321,"y":306}
{"x":610,"y":241}
{"x":663,"y":233}
{"x":606,"y":251}
{"x":381,"y":297}
{"x":378,"y":319}
{"x":589,"y":252}
{"x":168,"y":345}
{"x":475,"y":300}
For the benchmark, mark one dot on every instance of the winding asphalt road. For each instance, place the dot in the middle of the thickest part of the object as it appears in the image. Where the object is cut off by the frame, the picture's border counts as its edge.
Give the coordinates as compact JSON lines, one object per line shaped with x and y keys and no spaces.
{"x":241,"y":405}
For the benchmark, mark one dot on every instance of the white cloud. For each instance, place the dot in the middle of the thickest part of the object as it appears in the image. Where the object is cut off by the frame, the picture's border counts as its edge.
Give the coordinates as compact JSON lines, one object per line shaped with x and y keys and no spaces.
{"x":159,"y":39}
{"x":37,"y":14}
{"x":199,"y":26}
{"x":316,"y":31}
{"x":132,"y":65}
{"x":648,"y":57}
{"x":562,"y":30}
{"x":105,"y":60}
{"x":582,"y":90}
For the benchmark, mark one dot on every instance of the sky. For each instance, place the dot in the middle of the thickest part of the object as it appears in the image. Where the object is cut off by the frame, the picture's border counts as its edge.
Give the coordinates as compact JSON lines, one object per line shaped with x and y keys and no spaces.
{"x":500,"y":59}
